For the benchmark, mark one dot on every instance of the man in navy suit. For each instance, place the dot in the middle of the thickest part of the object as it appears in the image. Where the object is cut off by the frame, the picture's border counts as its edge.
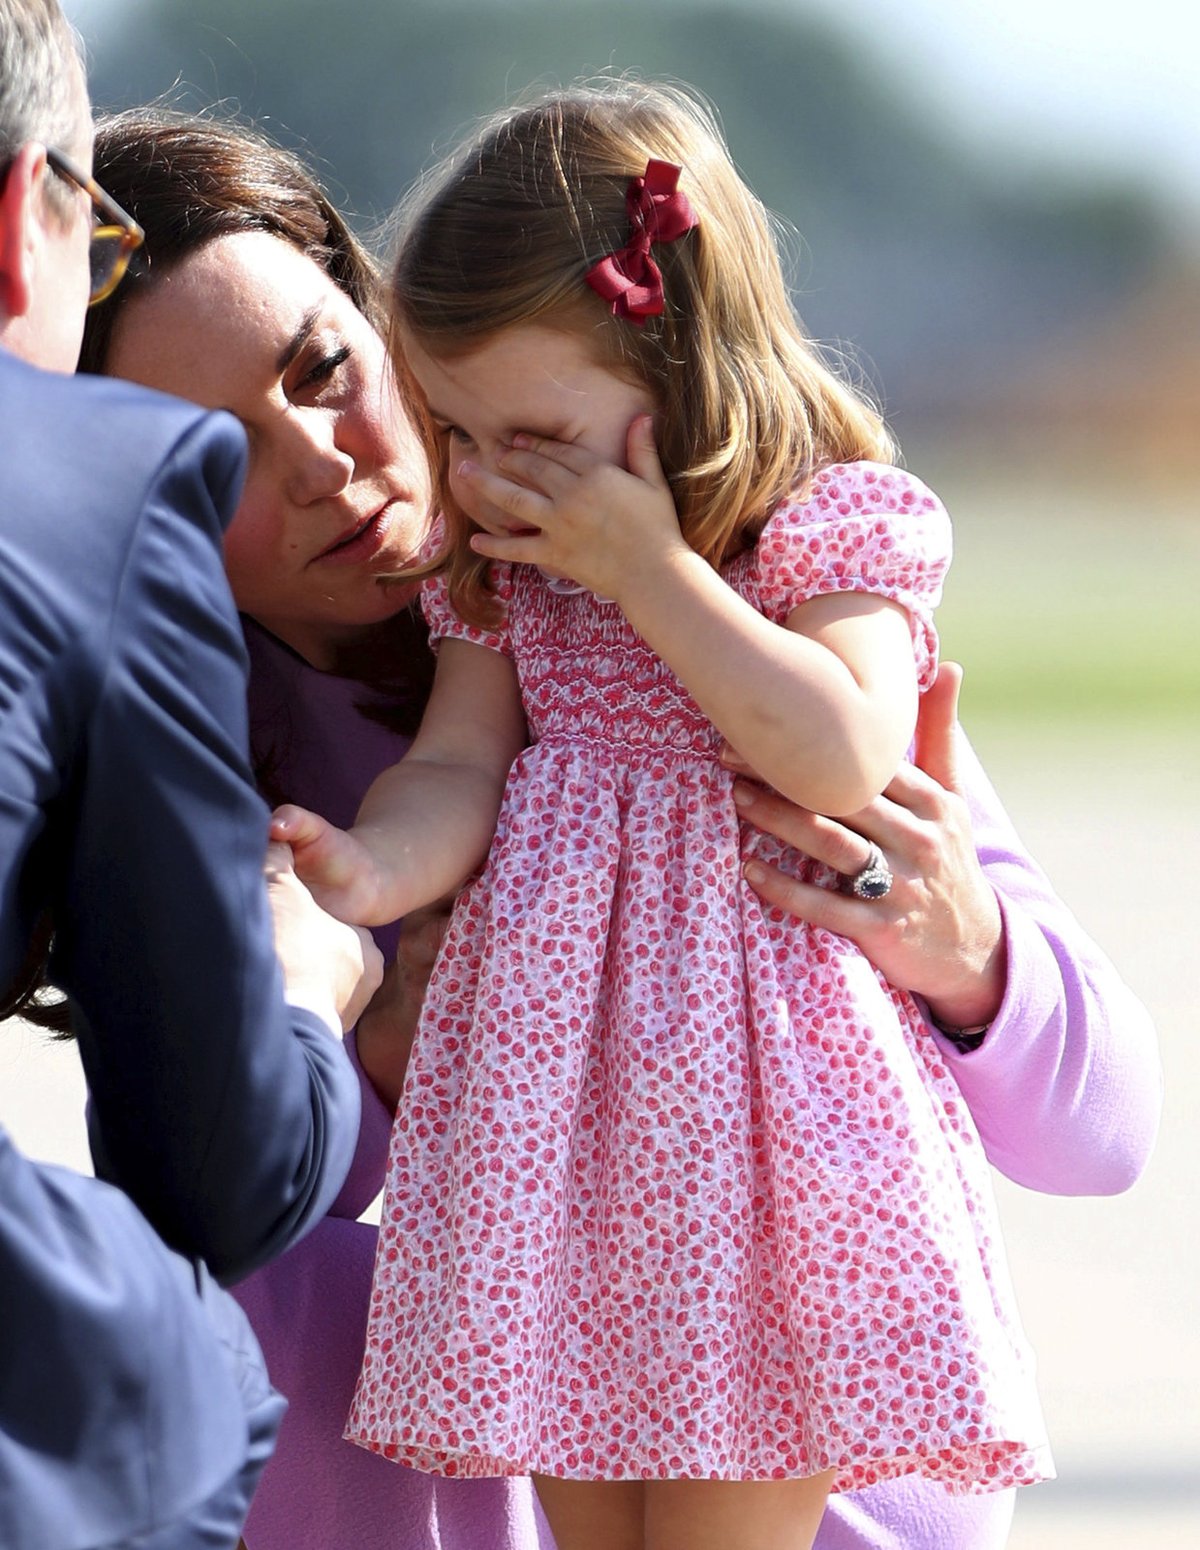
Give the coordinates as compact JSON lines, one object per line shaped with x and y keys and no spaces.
{"x":134,"y":1408}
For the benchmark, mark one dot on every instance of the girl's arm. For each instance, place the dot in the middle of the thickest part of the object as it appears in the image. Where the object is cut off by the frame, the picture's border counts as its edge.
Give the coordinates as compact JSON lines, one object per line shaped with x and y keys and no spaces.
{"x":426,"y":823}
{"x":823,"y":709}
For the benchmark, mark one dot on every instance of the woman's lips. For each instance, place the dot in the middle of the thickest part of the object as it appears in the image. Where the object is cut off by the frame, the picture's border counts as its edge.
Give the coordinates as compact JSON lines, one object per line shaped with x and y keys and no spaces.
{"x":362,"y":542}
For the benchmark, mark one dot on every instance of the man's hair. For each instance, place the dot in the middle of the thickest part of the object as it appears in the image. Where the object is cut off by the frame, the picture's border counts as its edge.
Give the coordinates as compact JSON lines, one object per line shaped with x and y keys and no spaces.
{"x":40,"y":55}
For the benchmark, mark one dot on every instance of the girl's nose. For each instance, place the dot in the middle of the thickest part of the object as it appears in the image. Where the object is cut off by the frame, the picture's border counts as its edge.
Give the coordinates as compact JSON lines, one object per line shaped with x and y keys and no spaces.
{"x":320,"y":467}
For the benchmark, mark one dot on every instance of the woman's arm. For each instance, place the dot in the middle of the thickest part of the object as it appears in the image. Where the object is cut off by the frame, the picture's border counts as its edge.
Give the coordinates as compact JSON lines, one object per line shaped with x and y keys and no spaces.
{"x":387,"y":1028}
{"x":1066,"y":1088}
{"x":427,"y":822}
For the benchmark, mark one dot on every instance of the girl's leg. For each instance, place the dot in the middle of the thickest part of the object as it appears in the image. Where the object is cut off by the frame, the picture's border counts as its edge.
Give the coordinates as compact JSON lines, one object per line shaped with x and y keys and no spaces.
{"x":735,"y":1514}
{"x":593,"y":1514}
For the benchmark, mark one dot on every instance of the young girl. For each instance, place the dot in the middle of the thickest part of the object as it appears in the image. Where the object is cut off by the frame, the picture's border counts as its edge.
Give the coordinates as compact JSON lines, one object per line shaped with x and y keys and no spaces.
{"x":684,"y":1214}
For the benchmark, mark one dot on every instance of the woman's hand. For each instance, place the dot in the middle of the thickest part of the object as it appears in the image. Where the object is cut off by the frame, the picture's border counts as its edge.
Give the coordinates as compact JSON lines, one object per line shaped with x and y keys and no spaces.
{"x":591,"y":520}
{"x":386,"y":1028}
{"x":330,"y":968}
{"x":938,"y":931}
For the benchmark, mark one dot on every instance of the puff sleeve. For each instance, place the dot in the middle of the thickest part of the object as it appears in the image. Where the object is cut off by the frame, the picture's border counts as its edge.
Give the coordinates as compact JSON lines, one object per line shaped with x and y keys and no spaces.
{"x":862,"y":527}
{"x":444,"y":622}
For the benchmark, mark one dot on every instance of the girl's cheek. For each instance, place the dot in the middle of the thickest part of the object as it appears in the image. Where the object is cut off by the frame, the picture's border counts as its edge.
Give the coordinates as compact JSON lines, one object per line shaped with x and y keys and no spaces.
{"x":463,"y":496}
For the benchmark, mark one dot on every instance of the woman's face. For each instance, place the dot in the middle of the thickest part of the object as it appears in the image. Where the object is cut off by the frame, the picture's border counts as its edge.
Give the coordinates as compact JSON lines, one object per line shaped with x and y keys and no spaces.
{"x":337,"y":492}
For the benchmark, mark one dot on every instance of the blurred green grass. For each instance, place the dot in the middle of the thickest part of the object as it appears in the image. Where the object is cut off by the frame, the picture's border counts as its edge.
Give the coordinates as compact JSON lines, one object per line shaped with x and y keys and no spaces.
{"x":1072,"y":599}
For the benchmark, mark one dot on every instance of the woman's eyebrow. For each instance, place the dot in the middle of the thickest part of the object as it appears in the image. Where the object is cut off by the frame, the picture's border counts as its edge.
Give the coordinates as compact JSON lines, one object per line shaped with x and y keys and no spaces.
{"x":296,"y":343}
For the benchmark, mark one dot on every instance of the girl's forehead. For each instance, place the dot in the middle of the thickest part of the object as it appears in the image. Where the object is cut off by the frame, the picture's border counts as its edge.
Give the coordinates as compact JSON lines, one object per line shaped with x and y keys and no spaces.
{"x":525,"y":360}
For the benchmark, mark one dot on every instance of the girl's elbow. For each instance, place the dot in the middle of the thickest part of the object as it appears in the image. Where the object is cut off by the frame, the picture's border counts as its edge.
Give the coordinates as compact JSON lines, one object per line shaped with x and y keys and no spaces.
{"x":843,"y":790}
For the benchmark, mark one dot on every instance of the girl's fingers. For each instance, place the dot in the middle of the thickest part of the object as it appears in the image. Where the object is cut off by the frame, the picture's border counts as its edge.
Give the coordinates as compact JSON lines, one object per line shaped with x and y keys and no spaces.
{"x":536,"y":470}
{"x":291,"y":825}
{"x":566,"y":455}
{"x":641,"y":452}
{"x":528,"y":506}
{"x":512,"y":548}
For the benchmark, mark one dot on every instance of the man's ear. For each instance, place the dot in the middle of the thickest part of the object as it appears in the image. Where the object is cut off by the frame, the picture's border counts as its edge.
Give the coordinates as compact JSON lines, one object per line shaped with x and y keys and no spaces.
{"x":22,"y":213}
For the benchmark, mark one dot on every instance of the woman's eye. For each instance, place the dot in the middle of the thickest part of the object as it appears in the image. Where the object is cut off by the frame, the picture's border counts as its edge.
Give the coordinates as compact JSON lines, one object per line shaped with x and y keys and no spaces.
{"x":457,"y":434}
{"x":324,"y":368}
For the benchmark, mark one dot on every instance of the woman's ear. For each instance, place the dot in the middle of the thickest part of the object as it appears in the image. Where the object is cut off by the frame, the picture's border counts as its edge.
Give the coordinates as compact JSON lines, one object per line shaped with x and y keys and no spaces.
{"x":22,"y":213}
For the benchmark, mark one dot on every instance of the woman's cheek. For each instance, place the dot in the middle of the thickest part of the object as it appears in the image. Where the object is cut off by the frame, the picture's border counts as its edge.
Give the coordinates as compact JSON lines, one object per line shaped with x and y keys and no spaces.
{"x":251,"y":557}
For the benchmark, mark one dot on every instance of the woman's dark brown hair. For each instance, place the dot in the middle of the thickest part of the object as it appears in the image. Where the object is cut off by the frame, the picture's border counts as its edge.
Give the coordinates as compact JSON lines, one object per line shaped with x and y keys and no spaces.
{"x":190,"y":179}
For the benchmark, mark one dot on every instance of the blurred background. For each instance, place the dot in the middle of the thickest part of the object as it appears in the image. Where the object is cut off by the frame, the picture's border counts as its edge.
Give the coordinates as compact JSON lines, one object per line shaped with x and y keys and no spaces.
{"x":997,"y":211}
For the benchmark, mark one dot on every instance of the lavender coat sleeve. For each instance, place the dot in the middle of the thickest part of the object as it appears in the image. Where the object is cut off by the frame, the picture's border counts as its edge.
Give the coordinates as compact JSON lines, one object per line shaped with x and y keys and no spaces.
{"x":1066,"y":1090}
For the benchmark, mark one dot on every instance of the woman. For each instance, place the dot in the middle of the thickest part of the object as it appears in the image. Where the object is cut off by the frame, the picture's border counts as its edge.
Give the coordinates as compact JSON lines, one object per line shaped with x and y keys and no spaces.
{"x":254,"y":297}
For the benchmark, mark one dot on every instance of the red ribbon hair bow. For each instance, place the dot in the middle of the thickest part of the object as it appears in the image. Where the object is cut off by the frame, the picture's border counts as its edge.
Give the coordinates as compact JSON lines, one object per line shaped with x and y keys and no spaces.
{"x":629,"y":278}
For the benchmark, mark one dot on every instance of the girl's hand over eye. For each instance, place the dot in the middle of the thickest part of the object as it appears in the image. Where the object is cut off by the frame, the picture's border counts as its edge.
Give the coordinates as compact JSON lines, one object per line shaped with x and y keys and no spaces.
{"x":593,"y":522}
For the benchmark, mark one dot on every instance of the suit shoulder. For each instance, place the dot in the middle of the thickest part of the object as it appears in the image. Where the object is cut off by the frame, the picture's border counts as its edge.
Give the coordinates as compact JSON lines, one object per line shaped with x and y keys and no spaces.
{"x":103,"y":417}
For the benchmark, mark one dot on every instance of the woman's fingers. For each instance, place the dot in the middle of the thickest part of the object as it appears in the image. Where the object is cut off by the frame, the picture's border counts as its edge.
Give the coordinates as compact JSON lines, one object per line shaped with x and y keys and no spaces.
{"x":862,"y":922}
{"x":278,"y":861}
{"x":822,"y":839}
{"x":937,"y":727}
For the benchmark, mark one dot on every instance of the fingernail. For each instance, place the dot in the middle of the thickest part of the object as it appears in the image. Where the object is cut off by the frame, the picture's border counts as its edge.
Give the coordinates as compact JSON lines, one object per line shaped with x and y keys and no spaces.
{"x":743,"y":795}
{"x":521,"y":440}
{"x":466,"y":468}
{"x":754,"y":872}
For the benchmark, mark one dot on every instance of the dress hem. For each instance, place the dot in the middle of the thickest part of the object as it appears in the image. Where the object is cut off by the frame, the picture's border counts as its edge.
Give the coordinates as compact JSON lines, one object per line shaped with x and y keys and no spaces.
{"x":1016,"y":1463}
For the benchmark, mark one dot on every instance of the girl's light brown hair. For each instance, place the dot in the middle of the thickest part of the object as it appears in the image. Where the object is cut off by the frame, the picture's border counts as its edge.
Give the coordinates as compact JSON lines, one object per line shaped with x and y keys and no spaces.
{"x":505,"y":233}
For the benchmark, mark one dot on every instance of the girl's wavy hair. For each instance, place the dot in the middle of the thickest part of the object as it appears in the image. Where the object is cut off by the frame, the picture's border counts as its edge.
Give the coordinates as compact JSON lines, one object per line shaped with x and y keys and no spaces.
{"x":505,"y":231}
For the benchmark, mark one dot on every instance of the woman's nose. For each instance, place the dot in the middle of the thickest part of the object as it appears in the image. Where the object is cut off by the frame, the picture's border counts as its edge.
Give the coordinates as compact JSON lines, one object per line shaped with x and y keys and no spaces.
{"x":320,"y":467}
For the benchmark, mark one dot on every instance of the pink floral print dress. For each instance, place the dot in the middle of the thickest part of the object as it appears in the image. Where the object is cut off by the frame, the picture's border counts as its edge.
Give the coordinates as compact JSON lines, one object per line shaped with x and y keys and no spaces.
{"x":680,"y":1187}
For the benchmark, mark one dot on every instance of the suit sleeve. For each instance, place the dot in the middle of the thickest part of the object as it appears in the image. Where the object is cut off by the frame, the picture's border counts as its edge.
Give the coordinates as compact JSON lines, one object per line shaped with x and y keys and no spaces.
{"x":229,"y":1117}
{"x":118,"y":1405}
{"x":1066,"y":1090}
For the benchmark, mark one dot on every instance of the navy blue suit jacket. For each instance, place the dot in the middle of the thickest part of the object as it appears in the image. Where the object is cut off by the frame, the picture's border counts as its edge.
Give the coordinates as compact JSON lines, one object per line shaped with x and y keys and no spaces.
{"x":223,"y":1119}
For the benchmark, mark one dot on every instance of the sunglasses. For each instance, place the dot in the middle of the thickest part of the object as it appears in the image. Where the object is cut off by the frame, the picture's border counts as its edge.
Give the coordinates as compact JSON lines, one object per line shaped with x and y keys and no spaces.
{"x":116,"y":236}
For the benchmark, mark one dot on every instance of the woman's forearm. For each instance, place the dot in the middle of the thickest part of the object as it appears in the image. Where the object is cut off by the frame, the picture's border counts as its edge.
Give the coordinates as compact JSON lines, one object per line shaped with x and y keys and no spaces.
{"x":1066,"y":1089}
